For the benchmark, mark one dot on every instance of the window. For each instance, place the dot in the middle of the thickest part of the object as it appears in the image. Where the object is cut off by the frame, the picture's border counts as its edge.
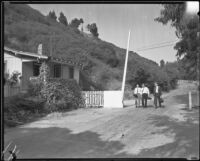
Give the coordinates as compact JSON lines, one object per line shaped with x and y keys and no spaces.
{"x":36,"y":69}
{"x":71,"y":72}
{"x":57,"y":70}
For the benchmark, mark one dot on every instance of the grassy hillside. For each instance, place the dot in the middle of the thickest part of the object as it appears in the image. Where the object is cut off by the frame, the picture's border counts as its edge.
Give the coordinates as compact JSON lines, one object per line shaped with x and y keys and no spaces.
{"x":103,"y":62}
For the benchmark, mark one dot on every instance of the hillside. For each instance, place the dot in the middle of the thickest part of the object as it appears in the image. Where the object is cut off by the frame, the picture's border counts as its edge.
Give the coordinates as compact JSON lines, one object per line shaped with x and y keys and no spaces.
{"x":103,"y":62}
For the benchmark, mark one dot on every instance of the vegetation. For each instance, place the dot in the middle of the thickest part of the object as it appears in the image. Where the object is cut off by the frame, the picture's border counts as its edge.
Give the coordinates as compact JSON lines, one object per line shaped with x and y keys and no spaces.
{"x":44,"y":72}
{"x":52,"y":15}
{"x":102,"y":62}
{"x":162,"y":63}
{"x":62,"y":95}
{"x":62,"y":19}
{"x":42,"y":98}
{"x":187,"y":26}
{"x":76,"y":22}
{"x":93,"y":29}
{"x":18,"y":110}
{"x":13,"y":79}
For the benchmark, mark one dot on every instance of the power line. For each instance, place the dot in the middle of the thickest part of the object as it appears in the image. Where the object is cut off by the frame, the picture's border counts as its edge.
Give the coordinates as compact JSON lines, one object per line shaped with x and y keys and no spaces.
{"x":155,"y":47}
{"x":166,"y":42}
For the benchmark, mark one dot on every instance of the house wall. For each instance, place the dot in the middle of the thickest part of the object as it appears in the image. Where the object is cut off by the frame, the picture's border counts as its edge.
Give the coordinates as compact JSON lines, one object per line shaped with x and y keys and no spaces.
{"x":16,"y":64}
{"x":51,"y":69}
{"x":64,"y":71}
{"x":12,"y":64}
{"x":27,"y":72}
{"x":26,"y":69}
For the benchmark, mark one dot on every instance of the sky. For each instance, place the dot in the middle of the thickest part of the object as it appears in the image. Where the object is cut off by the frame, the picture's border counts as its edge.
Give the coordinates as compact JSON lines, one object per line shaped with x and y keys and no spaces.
{"x":114,"y":22}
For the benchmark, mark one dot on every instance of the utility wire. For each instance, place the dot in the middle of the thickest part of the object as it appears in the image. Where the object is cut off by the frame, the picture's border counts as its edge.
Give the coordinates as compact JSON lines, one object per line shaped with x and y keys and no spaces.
{"x":158,"y":45}
{"x":142,"y":49}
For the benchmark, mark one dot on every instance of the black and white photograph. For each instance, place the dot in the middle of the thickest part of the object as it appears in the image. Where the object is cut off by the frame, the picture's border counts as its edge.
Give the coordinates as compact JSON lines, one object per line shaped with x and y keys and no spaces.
{"x":100,"y":80}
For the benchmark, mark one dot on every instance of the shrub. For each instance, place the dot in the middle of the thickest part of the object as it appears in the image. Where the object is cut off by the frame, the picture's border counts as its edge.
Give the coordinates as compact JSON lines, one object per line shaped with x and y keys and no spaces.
{"x":34,"y":87}
{"x":128,"y":94}
{"x":62,"y":94}
{"x":13,"y":79}
{"x":44,"y":72}
{"x":173,"y":83}
{"x":19,"y":109}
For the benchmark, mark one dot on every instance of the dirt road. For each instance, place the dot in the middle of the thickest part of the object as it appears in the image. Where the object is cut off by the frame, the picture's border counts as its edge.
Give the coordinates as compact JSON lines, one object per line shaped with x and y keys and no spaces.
{"x":172,"y":131}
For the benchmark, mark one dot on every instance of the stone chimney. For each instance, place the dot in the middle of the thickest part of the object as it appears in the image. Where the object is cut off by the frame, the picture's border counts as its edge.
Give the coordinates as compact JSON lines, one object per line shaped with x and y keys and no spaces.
{"x":40,"y":49}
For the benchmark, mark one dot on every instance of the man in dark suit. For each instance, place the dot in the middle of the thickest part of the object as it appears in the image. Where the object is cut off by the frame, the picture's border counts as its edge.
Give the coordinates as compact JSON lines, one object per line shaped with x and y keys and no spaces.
{"x":157,"y":94}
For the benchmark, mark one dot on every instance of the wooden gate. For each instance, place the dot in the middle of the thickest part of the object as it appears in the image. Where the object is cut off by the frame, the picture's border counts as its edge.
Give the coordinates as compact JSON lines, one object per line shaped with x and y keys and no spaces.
{"x":93,"y":98}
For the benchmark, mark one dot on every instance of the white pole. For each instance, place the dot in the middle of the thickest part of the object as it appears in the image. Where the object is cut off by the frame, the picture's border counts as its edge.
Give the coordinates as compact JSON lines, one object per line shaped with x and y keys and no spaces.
{"x":125,"y":67}
{"x":190,"y":100}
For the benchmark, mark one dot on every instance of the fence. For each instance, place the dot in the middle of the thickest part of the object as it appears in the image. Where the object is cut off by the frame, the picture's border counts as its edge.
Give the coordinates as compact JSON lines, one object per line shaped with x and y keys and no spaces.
{"x":11,"y":90}
{"x":93,"y":98}
{"x":106,"y":99}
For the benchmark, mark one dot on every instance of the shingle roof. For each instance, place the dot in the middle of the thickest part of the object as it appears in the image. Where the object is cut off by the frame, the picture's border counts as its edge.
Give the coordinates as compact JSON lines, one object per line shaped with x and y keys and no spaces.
{"x":54,"y":58}
{"x":65,"y":61}
{"x":16,"y":52}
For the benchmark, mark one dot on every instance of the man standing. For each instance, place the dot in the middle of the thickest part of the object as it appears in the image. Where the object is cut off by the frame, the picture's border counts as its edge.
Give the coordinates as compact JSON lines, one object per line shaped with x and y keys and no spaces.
{"x":157,"y":94}
{"x":145,"y":94}
{"x":138,"y":95}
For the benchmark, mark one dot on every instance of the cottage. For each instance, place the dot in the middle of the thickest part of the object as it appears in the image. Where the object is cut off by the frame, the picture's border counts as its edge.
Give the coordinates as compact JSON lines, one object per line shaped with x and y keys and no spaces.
{"x":28,"y":65}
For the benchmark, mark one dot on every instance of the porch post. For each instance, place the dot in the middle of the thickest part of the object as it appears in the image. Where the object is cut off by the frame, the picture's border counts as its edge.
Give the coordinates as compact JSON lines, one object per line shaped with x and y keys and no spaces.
{"x":44,"y":72}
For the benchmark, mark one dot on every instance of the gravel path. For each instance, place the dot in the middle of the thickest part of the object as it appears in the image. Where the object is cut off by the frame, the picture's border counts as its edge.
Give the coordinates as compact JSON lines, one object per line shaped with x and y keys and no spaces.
{"x":172,"y":131}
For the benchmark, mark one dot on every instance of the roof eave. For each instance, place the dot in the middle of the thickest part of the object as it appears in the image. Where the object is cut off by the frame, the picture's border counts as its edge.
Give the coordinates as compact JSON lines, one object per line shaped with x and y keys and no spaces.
{"x":15,"y":52}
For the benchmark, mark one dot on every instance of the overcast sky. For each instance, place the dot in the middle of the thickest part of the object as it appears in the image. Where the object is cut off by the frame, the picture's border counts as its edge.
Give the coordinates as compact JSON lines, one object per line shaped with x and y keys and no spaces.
{"x":115,"y":20}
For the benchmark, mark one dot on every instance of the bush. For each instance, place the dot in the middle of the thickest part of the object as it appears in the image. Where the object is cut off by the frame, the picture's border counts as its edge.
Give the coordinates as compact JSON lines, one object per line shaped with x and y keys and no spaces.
{"x":19,"y":109}
{"x":13,"y":79}
{"x":34,"y":87}
{"x":128,"y":94}
{"x":173,"y":83}
{"x":62,"y":94}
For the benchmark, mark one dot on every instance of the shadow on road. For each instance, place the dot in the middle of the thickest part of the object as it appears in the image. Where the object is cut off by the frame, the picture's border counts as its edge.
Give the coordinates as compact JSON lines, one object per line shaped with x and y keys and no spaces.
{"x":186,"y":143}
{"x":61,"y":143}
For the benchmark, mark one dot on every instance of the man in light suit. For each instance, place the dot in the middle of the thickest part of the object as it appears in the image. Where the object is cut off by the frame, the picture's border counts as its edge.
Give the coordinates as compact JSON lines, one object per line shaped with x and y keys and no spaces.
{"x":145,"y":94}
{"x":157,"y":94}
{"x":138,"y":95}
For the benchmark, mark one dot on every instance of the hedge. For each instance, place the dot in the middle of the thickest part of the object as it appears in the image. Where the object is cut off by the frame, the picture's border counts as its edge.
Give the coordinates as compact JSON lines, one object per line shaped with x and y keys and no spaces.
{"x":62,"y":94}
{"x":20,"y":109}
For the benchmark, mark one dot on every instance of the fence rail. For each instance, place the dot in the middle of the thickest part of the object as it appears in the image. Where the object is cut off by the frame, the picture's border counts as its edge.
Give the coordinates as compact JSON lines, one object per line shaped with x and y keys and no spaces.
{"x":93,"y":98}
{"x":11,"y":90}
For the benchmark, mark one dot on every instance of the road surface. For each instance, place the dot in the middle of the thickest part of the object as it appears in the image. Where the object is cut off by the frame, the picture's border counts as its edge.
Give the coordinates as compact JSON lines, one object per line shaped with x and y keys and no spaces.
{"x":169,"y":132}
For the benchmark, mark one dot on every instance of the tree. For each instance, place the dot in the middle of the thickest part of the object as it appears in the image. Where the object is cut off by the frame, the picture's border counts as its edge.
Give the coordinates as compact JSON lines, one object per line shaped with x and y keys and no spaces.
{"x":162,"y":63}
{"x":52,"y":15}
{"x":93,"y":29}
{"x":62,"y":19}
{"x":141,"y":76}
{"x":76,"y":22}
{"x":187,"y":28}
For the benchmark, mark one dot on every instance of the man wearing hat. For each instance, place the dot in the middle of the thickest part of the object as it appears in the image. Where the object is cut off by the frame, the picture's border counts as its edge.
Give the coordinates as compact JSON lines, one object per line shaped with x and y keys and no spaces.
{"x":157,"y":94}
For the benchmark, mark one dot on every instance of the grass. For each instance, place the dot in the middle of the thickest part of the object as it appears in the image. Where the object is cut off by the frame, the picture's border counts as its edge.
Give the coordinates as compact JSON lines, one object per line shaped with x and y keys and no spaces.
{"x":19,"y":110}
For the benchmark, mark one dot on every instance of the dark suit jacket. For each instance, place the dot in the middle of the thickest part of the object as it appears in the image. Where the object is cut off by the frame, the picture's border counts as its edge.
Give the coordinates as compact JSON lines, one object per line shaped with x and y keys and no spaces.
{"x":159,"y":90}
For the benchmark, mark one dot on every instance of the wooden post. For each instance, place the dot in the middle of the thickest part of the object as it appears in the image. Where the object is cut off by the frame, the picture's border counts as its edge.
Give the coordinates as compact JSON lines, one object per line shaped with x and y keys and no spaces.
{"x":125,"y":67}
{"x":190,"y":101}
